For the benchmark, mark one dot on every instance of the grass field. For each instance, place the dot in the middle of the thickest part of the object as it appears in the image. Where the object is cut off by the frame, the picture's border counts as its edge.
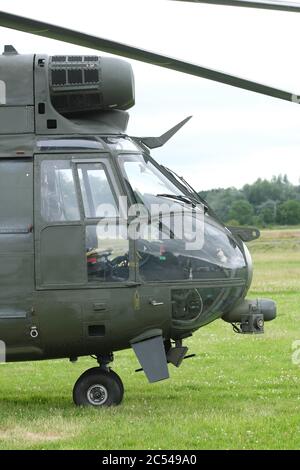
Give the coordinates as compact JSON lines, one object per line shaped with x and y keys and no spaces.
{"x":240,"y":392}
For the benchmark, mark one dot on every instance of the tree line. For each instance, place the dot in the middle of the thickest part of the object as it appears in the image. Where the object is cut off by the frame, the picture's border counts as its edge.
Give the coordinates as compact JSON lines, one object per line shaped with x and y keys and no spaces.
{"x":263,"y":203}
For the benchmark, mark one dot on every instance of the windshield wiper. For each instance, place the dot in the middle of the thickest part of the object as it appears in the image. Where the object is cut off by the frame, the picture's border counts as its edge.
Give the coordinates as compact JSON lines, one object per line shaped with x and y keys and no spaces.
{"x":178,"y":197}
{"x":192,"y":192}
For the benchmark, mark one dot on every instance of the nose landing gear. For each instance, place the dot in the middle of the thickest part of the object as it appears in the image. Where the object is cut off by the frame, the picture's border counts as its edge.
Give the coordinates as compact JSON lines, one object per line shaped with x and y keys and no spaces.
{"x":99,"y":386}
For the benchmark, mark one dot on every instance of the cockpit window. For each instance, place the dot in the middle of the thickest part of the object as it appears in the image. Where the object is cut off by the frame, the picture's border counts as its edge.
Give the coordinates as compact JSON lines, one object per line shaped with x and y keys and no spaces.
{"x":121,"y":144}
{"x":58,"y":195}
{"x":107,"y":252}
{"x":169,"y":258}
{"x":148,"y":184}
{"x":68,"y":144}
{"x":98,"y":199}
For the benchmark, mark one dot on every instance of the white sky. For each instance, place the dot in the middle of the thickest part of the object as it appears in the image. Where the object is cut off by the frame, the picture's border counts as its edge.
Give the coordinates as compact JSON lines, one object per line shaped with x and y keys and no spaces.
{"x":235,"y":136}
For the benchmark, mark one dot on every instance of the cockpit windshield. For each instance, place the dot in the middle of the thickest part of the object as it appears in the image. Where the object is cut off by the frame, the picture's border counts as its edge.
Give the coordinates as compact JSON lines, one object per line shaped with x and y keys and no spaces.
{"x":149,"y":185}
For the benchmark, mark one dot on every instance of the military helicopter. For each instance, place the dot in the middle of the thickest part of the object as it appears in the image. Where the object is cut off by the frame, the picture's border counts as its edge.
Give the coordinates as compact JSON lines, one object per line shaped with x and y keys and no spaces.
{"x":67,"y":290}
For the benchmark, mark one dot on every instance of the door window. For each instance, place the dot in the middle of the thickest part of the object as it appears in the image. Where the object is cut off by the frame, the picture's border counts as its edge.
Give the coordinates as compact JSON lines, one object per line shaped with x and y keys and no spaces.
{"x":58,"y":195}
{"x":97,"y":196}
{"x":107,"y":252}
{"x":107,"y":245}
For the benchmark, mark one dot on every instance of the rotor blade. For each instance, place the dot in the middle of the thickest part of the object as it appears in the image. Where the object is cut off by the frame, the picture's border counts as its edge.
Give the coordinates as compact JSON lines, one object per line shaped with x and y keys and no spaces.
{"x":47,"y":30}
{"x":265,"y":5}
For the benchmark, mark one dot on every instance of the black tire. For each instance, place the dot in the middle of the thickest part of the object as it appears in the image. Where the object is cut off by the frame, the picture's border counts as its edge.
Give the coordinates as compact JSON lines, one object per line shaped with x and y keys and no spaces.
{"x":98,"y":387}
{"x":118,"y":378}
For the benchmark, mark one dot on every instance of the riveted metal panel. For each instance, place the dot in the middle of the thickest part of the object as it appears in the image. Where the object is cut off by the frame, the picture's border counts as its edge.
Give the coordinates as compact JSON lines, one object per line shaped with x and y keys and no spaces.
{"x":16,"y":75}
{"x":16,"y":119}
{"x":16,"y":145}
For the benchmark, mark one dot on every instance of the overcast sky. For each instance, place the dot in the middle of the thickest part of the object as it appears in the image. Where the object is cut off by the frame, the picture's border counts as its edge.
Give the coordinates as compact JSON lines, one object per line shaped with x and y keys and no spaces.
{"x":235,"y":136}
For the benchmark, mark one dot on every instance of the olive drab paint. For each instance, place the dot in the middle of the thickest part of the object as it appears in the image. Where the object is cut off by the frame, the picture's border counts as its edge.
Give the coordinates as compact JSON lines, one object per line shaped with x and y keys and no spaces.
{"x":72,"y":282}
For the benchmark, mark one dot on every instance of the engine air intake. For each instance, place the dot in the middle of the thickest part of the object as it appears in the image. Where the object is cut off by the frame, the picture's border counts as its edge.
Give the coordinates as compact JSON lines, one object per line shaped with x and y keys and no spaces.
{"x":90,"y":83}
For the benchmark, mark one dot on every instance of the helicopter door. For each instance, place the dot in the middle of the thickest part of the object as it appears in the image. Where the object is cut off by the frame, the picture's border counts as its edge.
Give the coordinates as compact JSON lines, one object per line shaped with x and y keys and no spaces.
{"x":60,"y":267}
{"x":83,"y":256}
{"x":109,"y":307}
{"x":16,"y":259}
{"x":58,"y":230}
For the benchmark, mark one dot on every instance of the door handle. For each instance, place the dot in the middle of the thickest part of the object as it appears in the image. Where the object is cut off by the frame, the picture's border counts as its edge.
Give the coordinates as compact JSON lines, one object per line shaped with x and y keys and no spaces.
{"x":154,"y":303}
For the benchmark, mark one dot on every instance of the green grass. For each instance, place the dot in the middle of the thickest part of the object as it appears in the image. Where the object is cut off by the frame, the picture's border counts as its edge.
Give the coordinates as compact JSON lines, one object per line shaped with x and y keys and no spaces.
{"x":240,"y":392}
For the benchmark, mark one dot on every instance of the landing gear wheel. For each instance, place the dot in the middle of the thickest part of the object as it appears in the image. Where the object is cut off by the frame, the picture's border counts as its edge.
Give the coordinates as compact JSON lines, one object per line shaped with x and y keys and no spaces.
{"x":98,"y":387}
{"x":118,"y":379}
